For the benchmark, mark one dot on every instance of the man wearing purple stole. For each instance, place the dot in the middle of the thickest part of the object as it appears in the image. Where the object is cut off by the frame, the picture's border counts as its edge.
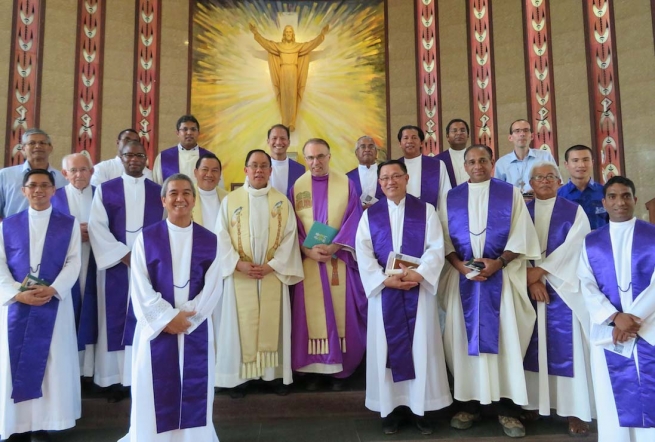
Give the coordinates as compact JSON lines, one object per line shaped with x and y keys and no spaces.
{"x":457,"y":135}
{"x":113,"y":168}
{"x":617,"y":274}
{"x":405,"y":363}
{"x":121,"y":208}
{"x":557,"y":361}
{"x":489,"y":318}
{"x":175,"y":287}
{"x":285,"y":171}
{"x":428,"y":177}
{"x":365,"y":176}
{"x":329,"y":307}
{"x":39,"y":369}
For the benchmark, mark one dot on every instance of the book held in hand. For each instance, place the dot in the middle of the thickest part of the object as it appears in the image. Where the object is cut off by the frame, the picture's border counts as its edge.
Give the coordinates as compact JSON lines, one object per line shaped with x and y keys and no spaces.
{"x":320,"y":234}
{"x":395,"y":259}
{"x":30,"y":281}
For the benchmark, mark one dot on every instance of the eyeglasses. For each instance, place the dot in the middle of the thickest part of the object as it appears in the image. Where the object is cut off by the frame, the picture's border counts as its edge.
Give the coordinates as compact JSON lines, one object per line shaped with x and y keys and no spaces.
{"x":518,"y":131}
{"x":42,"y":186}
{"x":549,"y":177}
{"x":80,"y":170}
{"x":129,"y":156}
{"x":320,"y":157}
{"x":258,"y":166}
{"x":394,"y":177}
{"x":37,"y":143}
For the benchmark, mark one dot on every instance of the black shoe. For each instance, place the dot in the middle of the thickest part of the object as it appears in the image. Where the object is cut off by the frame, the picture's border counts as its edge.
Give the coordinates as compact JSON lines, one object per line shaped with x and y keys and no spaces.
{"x":117,"y":394}
{"x":312,"y":382}
{"x":40,"y":436}
{"x":423,"y":425}
{"x":390,"y":424}
{"x":281,"y":389}
{"x":18,"y":437}
{"x":237,"y":392}
{"x":337,"y":384}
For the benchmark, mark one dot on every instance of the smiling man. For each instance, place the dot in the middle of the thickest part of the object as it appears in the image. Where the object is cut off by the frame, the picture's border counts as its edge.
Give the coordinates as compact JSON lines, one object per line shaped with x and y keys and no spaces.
{"x":285,"y":171}
{"x":457,"y":135}
{"x":365,"y":175}
{"x":113,"y":168}
{"x":176,"y":285}
{"x":617,"y":274}
{"x":208,"y":175}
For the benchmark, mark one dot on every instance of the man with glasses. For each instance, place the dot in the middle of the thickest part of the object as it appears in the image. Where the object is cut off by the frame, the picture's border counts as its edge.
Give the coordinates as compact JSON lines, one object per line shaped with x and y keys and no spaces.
{"x":121,"y":208}
{"x":259,"y":260}
{"x":75,"y":199}
{"x":514,"y":168}
{"x":489,"y":318}
{"x":36,"y":147}
{"x":329,"y":306}
{"x":557,"y":363}
{"x":208,"y":202}
{"x":285,"y":171}
{"x":405,"y":361}
{"x":364,"y":177}
{"x":457,"y":135}
{"x":113,"y":168}
{"x":39,"y":385}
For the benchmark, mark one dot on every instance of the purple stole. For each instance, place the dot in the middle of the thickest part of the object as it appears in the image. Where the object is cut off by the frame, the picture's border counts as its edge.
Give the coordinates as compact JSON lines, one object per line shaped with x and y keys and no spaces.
{"x":481,"y":300}
{"x":430,"y":177}
{"x":448,"y":162}
{"x":399,"y":306}
{"x":30,"y":328}
{"x":353,"y":175}
{"x":86,"y":308}
{"x":296,"y":170}
{"x":180,"y":402}
{"x":634,"y":394}
{"x":559,"y":317}
{"x":120,"y":315}
{"x":170,"y":160}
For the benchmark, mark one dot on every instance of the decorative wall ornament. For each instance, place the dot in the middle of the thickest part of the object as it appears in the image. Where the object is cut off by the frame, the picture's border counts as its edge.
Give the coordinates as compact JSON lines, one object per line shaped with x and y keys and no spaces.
{"x":481,"y":74}
{"x":146,"y":72}
{"x":88,"y":77}
{"x":539,"y":74}
{"x":604,"y":96}
{"x":25,"y":65}
{"x":428,"y":73}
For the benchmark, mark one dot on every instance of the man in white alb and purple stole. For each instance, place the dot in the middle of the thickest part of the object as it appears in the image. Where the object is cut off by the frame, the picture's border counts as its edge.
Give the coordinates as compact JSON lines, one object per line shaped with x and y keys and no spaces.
{"x":457,"y":135}
{"x":285,"y":171}
{"x":39,"y":368}
{"x":328,"y":331}
{"x":405,"y":360}
{"x":557,"y":361}
{"x":75,"y":199}
{"x":365,"y":175}
{"x":617,"y":274}
{"x":489,"y":317}
{"x":175,"y":287}
{"x":121,"y":208}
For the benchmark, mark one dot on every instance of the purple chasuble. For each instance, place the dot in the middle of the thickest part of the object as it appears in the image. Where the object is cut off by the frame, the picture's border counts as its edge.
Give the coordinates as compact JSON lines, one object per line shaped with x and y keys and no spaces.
{"x":118,"y":307}
{"x":430,"y":179}
{"x":86,"y":307}
{"x":481,"y":299}
{"x":559,"y":317}
{"x":30,"y":328}
{"x":399,"y":306}
{"x":170,"y":160}
{"x":448,"y":162}
{"x":634,"y":392}
{"x":296,"y":170}
{"x":180,"y":401}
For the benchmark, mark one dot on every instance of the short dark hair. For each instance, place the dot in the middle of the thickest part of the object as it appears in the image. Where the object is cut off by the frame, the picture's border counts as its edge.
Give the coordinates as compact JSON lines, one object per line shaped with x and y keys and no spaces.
{"x":208,"y":156}
{"x":124,"y":131}
{"x":421,"y":135}
{"x":577,"y":147}
{"x":479,"y":146}
{"x":618,"y":179}
{"x":391,"y":163}
{"x":186,"y":119}
{"x":177,"y":177}
{"x":458,"y":120}
{"x":31,"y":172}
{"x":133,"y":143}
{"x":316,"y":141}
{"x":516,"y":121}
{"x":278,"y":126}
{"x":254,"y":151}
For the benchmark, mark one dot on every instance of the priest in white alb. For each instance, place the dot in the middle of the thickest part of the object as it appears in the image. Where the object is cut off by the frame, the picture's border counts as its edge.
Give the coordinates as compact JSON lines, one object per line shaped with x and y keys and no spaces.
{"x":489,"y":317}
{"x":260,"y":259}
{"x":39,"y":366}
{"x":557,"y":367}
{"x":209,"y":194}
{"x":405,"y":360}
{"x":175,"y":287}
{"x":617,"y":274}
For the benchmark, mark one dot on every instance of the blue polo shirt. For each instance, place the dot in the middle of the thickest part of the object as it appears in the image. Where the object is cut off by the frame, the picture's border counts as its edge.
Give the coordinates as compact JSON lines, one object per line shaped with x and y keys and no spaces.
{"x":590,"y":199}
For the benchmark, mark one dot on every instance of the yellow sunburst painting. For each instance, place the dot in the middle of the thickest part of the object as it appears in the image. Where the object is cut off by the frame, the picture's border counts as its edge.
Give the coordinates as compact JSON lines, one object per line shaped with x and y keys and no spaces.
{"x":316,"y":66}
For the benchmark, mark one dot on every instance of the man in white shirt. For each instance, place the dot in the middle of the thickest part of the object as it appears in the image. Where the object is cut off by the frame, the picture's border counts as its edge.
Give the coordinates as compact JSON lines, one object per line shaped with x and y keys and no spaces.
{"x":209,"y":195}
{"x":405,"y":359}
{"x":617,"y":274}
{"x":39,"y":369}
{"x":457,"y":135}
{"x":365,"y":176}
{"x":113,"y":168}
{"x":285,"y":170}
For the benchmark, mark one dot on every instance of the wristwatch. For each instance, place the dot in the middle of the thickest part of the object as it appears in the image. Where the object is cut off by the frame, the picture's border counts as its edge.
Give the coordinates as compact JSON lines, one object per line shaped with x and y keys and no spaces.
{"x":503,"y":260}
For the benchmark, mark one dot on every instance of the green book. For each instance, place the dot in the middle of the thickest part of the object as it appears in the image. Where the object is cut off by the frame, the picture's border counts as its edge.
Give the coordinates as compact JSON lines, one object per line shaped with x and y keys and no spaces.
{"x":30,"y":281}
{"x":319,"y":234}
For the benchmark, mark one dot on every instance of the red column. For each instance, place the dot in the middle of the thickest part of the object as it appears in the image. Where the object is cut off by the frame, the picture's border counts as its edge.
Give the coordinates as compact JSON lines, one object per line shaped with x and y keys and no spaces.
{"x":25,"y":65}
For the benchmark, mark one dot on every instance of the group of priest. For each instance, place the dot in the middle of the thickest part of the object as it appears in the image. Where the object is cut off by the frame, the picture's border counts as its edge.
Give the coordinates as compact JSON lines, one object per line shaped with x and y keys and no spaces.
{"x":199,"y":288}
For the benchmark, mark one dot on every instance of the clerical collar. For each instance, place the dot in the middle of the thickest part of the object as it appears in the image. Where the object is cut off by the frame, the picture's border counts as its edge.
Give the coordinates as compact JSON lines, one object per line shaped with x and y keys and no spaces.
{"x":367,"y":168}
{"x":256,"y":192}
{"x":132,"y":179}
{"x":279,"y":162}
{"x":322,"y":177}
{"x":75,"y":189}
{"x":175,"y":228}
{"x":180,"y":148}
{"x":413,"y":160}
{"x":546,"y":202}
{"x":623,"y":224}
{"x":480,"y":185}
{"x":204,"y":192}
{"x":39,"y":213}
{"x":394,"y":205}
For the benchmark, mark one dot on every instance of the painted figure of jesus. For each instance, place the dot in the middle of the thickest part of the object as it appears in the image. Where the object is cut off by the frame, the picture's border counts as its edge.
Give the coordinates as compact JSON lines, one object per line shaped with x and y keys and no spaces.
{"x":288,"y":62}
